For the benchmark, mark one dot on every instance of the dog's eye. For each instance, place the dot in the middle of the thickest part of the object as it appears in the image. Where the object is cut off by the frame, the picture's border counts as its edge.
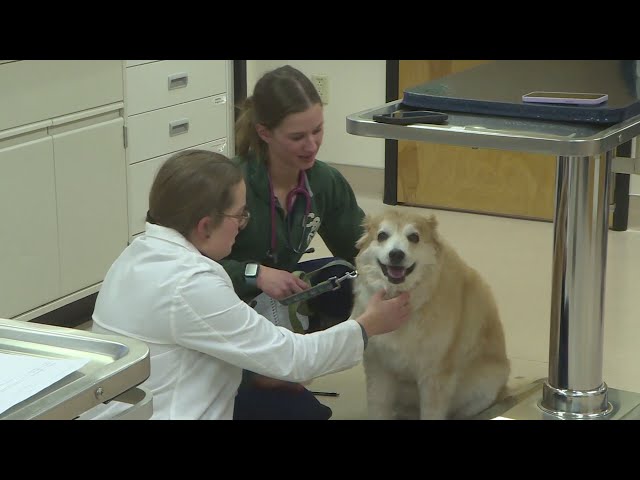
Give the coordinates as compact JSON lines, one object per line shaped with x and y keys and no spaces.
{"x":413,"y":238}
{"x":382,"y":236}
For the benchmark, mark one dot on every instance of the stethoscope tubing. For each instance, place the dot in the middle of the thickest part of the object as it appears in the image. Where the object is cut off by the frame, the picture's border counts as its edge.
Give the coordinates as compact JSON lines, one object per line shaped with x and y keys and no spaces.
{"x":301,"y":189}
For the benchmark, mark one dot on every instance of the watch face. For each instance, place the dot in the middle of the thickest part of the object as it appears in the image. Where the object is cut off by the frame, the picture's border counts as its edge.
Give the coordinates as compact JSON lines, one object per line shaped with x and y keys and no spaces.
{"x":251,"y":270}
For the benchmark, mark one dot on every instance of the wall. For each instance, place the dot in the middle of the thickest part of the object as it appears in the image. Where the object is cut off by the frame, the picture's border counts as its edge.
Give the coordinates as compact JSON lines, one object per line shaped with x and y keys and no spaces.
{"x":354,"y":85}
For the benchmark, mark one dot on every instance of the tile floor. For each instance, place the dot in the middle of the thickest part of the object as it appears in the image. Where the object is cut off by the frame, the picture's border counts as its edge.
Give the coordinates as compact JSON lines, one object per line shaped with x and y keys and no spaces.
{"x":515,"y":258}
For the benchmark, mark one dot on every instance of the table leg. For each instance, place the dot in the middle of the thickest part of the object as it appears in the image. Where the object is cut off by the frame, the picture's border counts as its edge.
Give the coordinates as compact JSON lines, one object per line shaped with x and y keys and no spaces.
{"x":581,"y":223}
{"x":575,"y":386}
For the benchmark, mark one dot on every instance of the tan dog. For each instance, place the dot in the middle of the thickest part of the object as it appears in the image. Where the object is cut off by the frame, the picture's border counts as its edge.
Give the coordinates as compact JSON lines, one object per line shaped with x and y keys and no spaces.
{"x":449,"y":360}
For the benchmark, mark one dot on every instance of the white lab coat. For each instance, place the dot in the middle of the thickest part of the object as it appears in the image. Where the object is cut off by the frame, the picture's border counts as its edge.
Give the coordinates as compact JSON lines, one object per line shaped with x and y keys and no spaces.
{"x":163,"y":291}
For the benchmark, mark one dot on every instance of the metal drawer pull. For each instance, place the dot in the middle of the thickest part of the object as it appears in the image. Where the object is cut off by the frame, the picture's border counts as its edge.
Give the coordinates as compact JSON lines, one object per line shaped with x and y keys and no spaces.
{"x":178,"y":80}
{"x":178,"y":127}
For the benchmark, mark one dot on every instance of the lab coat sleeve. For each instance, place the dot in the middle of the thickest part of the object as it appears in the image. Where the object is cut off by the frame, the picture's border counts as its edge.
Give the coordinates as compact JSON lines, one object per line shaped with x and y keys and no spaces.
{"x":209,"y":317}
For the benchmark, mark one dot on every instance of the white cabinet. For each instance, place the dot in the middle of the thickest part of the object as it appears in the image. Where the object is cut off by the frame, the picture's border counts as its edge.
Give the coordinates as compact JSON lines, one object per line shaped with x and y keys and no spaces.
{"x":63,"y":205}
{"x":28,"y":229}
{"x":80,"y":144}
{"x":91,"y":196}
{"x":170,"y":82}
{"x":34,"y":90}
{"x":172,"y":105}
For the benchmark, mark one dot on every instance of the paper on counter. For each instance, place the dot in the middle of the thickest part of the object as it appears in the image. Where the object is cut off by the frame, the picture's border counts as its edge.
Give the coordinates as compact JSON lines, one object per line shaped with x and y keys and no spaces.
{"x":22,"y":376}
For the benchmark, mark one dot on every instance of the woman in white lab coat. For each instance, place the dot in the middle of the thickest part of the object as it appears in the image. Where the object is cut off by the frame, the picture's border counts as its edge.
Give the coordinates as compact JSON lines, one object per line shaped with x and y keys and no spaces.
{"x":168,"y":290}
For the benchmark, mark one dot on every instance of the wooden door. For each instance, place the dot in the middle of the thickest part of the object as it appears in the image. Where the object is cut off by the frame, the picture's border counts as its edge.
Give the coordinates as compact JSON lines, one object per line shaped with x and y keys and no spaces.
{"x":495,"y":182}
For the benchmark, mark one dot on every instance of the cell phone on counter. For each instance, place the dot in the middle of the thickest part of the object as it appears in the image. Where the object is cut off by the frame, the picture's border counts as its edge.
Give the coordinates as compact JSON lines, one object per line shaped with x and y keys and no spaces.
{"x":572,"y":98}
{"x":408,"y":117}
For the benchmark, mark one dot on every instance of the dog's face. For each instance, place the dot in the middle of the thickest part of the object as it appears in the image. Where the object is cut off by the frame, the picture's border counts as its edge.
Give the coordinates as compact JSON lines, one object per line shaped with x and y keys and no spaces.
{"x":397,"y":250}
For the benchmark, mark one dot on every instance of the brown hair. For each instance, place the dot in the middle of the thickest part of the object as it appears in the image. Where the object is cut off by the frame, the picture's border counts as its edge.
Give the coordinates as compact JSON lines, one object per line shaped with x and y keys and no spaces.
{"x":190,"y":185}
{"x":277,"y":93}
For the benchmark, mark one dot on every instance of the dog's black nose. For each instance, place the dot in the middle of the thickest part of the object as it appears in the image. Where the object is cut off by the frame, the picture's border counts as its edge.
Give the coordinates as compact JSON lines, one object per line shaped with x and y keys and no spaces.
{"x":396,"y":256}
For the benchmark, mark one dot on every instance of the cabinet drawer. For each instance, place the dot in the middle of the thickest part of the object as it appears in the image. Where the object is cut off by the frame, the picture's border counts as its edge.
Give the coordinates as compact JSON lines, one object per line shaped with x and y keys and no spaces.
{"x":134,"y":63}
{"x":140,"y":178}
{"x":34,"y":90}
{"x":175,"y":128}
{"x":170,"y":82}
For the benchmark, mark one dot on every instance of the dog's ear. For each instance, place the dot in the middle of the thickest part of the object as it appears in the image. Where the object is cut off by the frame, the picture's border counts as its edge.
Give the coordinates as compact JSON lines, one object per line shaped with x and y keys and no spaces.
{"x":366,"y":225}
{"x":430,"y":227}
{"x":435,"y":234}
{"x":429,"y":223}
{"x":433,"y":222}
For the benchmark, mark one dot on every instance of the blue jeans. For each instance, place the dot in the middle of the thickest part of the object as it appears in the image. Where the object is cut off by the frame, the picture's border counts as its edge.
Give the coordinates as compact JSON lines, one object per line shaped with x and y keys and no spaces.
{"x":255,"y":403}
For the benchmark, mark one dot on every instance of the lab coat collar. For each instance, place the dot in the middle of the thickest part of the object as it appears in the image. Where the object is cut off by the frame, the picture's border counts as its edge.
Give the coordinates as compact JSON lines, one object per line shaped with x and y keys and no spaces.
{"x":169,"y":235}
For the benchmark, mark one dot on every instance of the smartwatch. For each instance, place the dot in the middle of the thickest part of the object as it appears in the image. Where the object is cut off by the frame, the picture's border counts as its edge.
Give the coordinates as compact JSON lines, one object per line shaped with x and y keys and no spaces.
{"x":251,"y":274}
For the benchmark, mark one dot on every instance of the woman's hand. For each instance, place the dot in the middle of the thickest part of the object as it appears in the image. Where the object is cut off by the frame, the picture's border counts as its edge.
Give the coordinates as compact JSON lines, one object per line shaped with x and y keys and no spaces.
{"x":383,"y":316}
{"x":279,"y":284}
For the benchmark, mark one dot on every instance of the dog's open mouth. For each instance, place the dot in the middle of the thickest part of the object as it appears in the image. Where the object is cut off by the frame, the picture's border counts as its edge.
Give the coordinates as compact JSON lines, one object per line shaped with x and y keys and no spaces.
{"x":396,"y":274}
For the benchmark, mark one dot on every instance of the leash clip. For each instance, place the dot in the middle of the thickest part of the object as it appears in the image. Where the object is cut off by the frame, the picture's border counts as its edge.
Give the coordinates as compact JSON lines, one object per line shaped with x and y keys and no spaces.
{"x":337,"y":281}
{"x":328,"y":285}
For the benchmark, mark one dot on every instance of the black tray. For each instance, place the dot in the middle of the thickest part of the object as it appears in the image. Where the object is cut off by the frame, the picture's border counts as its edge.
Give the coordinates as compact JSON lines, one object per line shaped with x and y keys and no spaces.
{"x":496,"y":88}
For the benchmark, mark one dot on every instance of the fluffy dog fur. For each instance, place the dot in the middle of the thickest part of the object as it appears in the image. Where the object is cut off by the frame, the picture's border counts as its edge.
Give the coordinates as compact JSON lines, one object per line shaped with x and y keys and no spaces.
{"x":449,"y":360}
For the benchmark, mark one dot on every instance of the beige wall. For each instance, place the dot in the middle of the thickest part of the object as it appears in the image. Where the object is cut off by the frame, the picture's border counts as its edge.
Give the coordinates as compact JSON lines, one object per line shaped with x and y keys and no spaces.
{"x":354,"y":85}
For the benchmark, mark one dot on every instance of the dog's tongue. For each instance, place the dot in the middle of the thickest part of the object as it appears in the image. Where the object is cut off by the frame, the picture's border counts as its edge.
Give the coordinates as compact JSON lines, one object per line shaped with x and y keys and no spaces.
{"x":395,"y":272}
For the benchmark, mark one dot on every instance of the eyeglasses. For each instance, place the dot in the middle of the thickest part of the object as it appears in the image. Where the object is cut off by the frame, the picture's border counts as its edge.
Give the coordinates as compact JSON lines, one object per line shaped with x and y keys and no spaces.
{"x":243,"y":218}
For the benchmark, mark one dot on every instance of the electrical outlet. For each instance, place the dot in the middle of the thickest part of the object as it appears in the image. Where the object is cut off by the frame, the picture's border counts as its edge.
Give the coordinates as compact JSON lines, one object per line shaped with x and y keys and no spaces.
{"x":321,"y":83}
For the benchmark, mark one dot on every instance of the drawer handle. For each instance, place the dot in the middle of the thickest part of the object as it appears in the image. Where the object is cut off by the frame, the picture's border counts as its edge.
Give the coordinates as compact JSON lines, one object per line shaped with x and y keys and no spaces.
{"x":178,"y":127}
{"x":178,"y":80}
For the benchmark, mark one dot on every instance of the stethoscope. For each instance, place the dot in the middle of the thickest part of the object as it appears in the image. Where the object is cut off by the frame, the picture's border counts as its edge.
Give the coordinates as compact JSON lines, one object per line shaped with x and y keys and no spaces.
{"x":290,"y":201}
